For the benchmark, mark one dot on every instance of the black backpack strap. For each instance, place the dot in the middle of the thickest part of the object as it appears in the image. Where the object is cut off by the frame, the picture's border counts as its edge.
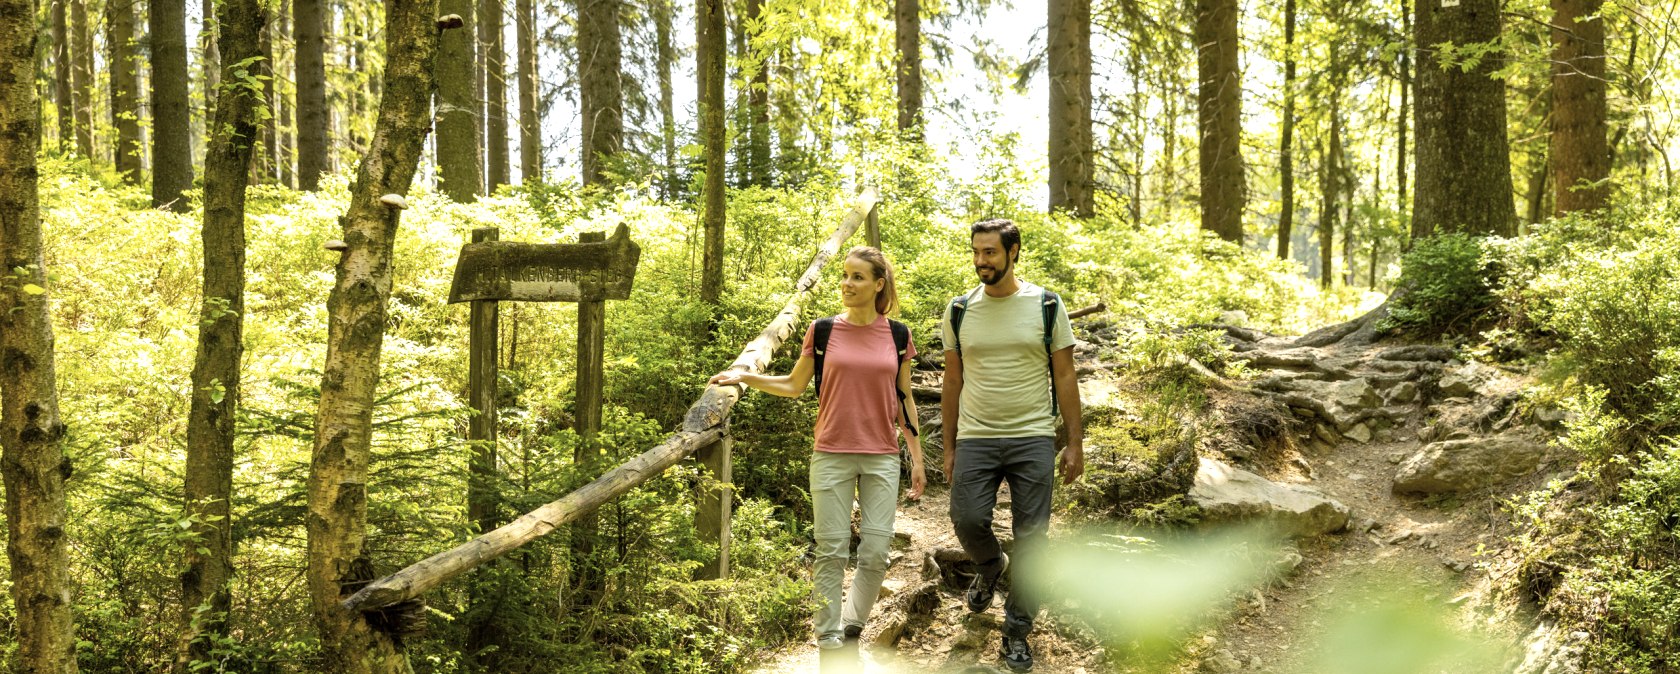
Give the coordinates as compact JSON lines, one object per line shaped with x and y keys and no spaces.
{"x":1051,"y":303}
{"x":819,"y":344}
{"x":959,"y":306}
{"x":901,"y":345}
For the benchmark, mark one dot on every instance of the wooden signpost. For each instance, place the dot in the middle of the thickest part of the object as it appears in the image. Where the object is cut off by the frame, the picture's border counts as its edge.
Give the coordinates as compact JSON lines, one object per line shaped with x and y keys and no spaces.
{"x":488,"y":271}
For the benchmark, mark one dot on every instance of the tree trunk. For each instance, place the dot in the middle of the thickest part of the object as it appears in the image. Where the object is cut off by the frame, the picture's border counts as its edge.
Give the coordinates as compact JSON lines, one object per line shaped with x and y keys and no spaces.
{"x":1219,"y":111}
{"x":32,"y":461}
{"x":286,"y":152}
{"x":1580,"y":151}
{"x":758,"y":107}
{"x":1327,"y":194}
{"x":172,"y":169}
{"x":356,"y":309}
{"x":530,"y":126}
{"x":1463,"y":163}
{"x":1537,"y":189}
{"x":666,"y":61}
{"x":601,"y":97}
{"x":1286,"y":148}
{"x":125,"y":101}
{"x":263,"y":157}
{"x":710,"y":72}
{"x":63,"y":104}
{"x":495,"y":95}
{"x":312,"y":124}
{"x":459,"y":164}
{"x":209,"y":61}
{"x":1070,"y":108}
{"x":81,"y":75}
{"x":205,"y":594}
{"x":1403,"y":197}
{"x":908,"y":18}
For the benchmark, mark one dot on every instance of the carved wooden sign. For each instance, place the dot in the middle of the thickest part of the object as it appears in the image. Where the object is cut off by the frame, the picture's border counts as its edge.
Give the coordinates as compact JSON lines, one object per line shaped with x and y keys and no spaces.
{"x":547,"y":272}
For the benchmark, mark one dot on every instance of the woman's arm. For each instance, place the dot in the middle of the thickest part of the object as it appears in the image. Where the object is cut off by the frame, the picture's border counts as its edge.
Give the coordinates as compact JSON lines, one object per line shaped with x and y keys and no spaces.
{"x":790,"y":385}
{"x":918,"y":473}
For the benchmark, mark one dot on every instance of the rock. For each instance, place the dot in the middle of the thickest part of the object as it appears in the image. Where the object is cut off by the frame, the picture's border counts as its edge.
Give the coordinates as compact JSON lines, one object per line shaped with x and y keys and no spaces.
{"x":1225,"y":493}
{"x":1463,"y":465}
{"x":1365,"y":526}
{"x":1236,"y":318}
{"x":1546,"y":650}
{"x":1254,"y":663}
{"x":1221,"y":662}
{"x":1396,"y":457}
{"x":1550,"y":418}
{"x":1345,"y":400}
{"x":1360,"y":433}
{"x":1466,"y":380}
{"x":1325,"y":433}
{"x":1404,"y":392}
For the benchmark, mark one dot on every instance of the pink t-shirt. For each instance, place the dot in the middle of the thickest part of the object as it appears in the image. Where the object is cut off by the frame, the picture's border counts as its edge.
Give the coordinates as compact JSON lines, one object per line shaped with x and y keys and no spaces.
{"x":857,"y":410}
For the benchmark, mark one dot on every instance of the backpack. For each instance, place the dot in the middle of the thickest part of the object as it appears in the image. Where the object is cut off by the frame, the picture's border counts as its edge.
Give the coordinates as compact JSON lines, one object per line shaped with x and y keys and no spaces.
{"x":901,"y":342}
{"x":959,"y":306}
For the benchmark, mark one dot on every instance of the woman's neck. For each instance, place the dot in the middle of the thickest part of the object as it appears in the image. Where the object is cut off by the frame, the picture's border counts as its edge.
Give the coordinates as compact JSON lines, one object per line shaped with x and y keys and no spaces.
{"x":863,"y":315}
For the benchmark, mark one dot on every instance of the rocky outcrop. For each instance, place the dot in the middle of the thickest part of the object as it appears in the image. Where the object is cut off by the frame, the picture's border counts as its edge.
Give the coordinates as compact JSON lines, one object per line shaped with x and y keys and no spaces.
{"x":1467,"y":464}
{"x":1551,"y":650}
{"x":1229,"y":494}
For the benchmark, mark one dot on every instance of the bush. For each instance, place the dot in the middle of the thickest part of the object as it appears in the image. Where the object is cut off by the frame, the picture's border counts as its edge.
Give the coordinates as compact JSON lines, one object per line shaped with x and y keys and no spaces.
{"x":1444,"y":280}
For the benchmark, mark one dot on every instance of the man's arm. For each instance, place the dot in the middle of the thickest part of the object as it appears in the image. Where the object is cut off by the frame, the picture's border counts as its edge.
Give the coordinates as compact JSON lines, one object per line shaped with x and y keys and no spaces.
{"x":1072,"y":460}
{"x":950,"y":402}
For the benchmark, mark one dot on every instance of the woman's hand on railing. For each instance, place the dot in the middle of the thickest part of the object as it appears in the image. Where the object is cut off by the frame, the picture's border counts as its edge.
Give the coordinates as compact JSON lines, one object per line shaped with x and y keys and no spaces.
{"x":728,"y":378}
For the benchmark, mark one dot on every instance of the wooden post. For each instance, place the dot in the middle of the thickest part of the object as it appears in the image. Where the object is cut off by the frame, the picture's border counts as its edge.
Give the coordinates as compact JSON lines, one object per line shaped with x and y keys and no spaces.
{"x":873,"y":227}
{"x":715,"y":502}
{"x":483,"y":348}
{"x":591,"y":338}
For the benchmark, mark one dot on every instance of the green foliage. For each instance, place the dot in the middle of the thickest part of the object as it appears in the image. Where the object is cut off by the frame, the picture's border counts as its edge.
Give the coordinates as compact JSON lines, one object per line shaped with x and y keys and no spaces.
{"x":1444,"y":280}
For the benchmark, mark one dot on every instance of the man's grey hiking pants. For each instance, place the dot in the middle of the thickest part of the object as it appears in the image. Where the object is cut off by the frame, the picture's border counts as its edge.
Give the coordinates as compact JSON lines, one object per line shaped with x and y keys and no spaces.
{"x":1029,"y":466}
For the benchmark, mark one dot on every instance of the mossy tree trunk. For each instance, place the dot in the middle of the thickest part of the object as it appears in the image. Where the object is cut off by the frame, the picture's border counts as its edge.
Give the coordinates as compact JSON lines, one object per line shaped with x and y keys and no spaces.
{"x":1463,"y":162}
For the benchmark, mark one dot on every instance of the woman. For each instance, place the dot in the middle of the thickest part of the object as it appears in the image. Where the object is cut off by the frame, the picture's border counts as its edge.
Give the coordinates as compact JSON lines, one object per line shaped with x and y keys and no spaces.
{"x":863,"y":403}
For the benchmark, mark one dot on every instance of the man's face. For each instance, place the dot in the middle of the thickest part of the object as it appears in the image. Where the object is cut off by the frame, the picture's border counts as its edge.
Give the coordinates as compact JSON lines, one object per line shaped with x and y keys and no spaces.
{"x":991,"y":261}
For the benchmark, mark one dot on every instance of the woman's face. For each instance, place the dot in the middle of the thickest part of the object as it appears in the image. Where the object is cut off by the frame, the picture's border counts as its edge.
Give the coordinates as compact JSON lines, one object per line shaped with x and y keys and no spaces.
{"x":859,"y":285}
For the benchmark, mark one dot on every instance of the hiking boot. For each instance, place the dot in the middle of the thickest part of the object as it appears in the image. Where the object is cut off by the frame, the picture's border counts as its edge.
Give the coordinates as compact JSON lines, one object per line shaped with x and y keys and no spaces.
{"x":1016,"y":654}
{"x":853,"y":632}
{"x":980,"y":591}
{"x":829,"y":642}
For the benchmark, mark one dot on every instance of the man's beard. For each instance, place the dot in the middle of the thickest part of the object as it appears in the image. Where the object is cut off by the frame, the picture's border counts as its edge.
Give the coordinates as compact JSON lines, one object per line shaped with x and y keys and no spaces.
{"x":997,"y":275}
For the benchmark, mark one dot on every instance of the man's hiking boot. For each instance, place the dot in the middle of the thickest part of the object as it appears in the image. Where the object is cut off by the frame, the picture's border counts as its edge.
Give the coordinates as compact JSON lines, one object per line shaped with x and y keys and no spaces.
{"x":853,"y":632}
{"x":980,"y":591}
{"x":1016,"y":654}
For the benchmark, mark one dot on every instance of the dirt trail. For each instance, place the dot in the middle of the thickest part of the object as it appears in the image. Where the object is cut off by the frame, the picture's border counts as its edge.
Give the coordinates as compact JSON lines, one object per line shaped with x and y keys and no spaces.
{"x":1440,"y":551}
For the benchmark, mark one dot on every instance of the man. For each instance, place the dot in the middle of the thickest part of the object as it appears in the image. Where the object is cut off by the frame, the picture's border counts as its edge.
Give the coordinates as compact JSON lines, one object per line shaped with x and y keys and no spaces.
{"x":999,"y":409}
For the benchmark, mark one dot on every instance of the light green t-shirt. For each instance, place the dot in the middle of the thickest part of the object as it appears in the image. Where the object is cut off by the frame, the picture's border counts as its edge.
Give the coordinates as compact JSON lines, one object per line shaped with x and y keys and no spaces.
{"x":1006,"y":373}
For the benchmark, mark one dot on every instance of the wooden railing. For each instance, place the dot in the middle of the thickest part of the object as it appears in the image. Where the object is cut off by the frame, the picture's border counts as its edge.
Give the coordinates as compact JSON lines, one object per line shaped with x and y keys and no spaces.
{"x":704,"y":432}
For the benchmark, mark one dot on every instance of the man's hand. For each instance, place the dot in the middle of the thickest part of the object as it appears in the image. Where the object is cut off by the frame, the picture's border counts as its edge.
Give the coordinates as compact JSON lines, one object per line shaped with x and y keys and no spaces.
{"x":1071,"y":461}
{"x":950,"y":465}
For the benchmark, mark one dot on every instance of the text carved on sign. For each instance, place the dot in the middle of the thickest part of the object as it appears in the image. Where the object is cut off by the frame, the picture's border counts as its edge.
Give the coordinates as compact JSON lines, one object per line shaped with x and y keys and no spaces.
{"x":547,"y":272}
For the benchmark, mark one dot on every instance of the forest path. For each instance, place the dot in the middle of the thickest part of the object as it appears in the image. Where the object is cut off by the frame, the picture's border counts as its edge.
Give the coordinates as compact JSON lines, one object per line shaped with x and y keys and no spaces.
{"x":1364,"y":412}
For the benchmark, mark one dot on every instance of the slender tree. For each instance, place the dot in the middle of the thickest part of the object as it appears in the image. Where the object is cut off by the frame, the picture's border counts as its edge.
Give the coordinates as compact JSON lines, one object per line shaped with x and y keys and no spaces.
{"x":1463,"y":163}
{"x":356,"y":309}
{"x":530,"y":125}
{"x":459,"y":162}
{"x":907,"y":16}
{"x":495,"y":94}
{"x":32,"y":461}
{"x":1286,"y":143}
{"x":1401,"y":160}
{"x":710,"y":73}
{"x":63,"y":104}
{"x":81,"y":75}
{"x":1070,"y":152}
{"x":600,"y":88}
{"x":663,"y":11}
{"x":125,"y":101}
{"x":312,"y":121}
{"x":1580,"y":153}
{"x":209,"y":61}
{"x":758,"y":101}
{"x":205,"y":595}
{"x":1219,"y":110}
{"x":172,"y":169}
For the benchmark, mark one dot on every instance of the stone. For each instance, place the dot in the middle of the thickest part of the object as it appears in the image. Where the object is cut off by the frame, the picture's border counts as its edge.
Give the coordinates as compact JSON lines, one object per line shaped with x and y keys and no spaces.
{"x":1344,"y":401}
{"x":1225,"y":493}
{"x":1328,"y":435}
{"x":1452,"y":466}
{"x":1404,"y":392}
{"x":1360,"y":433}
{"x":1236,"y":317}
{"x":1221,"y":662}
{"x":1466,"y":380}
{"x":1547,"y":651}
{"x":1255,"y":663}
